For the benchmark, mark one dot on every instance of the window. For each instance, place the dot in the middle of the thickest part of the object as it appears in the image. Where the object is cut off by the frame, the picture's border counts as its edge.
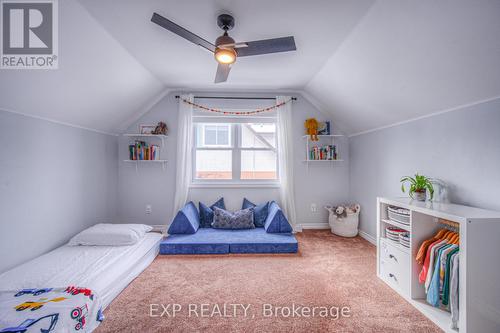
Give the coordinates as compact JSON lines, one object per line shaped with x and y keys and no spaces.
{"x":235,"y":152}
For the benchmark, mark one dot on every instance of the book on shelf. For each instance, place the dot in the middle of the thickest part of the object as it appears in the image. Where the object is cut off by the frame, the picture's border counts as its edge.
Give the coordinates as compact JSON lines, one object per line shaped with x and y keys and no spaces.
{"x":143,"y":151}
{"x":327,"y":153}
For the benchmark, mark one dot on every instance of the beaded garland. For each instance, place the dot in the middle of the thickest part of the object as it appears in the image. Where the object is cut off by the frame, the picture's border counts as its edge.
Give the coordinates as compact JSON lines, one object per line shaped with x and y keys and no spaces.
{"x":236,"y":112}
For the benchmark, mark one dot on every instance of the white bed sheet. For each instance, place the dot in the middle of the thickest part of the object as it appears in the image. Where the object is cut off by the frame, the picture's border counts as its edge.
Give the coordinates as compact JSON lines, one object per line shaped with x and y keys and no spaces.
{"x":107,"y":270}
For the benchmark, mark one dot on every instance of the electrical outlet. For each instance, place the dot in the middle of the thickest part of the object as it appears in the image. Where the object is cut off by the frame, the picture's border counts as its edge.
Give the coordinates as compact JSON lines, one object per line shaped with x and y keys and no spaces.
{"x":149,"y":209}
{"x":314,"y":207}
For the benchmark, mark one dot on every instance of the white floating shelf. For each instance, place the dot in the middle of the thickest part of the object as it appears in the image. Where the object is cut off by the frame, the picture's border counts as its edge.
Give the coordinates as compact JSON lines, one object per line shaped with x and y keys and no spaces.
{"x":324,"y":136}
{"x":137,"y":162}
{"x":145,"y":135}
{"x":323,"y":161}
{"x":157,"y":161}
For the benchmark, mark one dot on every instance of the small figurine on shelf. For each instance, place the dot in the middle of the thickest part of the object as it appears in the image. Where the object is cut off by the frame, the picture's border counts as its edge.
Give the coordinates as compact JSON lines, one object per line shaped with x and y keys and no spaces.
{"x":160,"y":129}
{"x":311,"y":126}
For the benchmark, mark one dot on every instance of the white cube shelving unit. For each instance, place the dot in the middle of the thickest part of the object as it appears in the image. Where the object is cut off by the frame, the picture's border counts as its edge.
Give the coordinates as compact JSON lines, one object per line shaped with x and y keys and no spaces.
{"x":479,"y":273}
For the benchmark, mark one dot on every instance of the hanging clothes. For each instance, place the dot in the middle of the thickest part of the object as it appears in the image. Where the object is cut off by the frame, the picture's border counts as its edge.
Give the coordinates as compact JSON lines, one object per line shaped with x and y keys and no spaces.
{"x":447,"y":277}
{"x":434,"y":284}
{"x":425,"y":268}
{"x":420,"y":257}
{"x":434,"y":252}
{"x":442,"y":267}
{"x":436,"y":255}
{"x":454,"y":292}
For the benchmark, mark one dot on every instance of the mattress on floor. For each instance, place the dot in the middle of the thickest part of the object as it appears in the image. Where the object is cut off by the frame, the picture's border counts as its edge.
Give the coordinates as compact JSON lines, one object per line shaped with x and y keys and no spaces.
{"x":218,"y":241}
{"x":106,"y":270}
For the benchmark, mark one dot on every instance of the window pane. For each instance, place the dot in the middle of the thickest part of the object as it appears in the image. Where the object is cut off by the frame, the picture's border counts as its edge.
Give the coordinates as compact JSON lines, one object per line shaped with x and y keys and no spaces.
{"x":213,"y":164}
{"x":223,"y":135}
{"x":211,"y":135}
{"x":258,"y":135}
{"x":258,"y":165}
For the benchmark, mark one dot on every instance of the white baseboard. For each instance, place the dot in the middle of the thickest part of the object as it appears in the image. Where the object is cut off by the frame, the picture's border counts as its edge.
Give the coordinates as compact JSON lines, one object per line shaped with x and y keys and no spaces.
{"x":304,"y":226}
{"x":368,"y":237}
{"x":161,"y":228}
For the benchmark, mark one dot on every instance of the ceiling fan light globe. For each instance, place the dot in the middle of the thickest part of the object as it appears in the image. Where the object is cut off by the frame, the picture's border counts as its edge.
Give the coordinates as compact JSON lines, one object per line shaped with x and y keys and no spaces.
{"x":225,"y":56}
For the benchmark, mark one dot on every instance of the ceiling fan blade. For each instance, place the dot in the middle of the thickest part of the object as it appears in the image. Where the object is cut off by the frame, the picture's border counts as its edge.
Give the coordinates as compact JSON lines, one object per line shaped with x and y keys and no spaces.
{"x":222,"y":73}
{"x":233,"y":45}
{"x":266,"y":46}
{"x":178,"y":30}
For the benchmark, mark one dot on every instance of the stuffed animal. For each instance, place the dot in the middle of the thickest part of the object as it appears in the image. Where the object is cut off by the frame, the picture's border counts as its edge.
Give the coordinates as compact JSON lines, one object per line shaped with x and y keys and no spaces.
{"x":161,"y":128}
{"x":341,"y":212}
{"x":311,"y":126}
{"x":352,"y":209}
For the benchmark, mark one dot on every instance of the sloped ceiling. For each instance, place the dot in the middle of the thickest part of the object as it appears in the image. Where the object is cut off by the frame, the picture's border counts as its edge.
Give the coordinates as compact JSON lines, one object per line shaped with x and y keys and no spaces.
{"x":318,"y":27}
{"x":98,"y":84}
{"x":407,"y":59}
{"x":369,"y":63}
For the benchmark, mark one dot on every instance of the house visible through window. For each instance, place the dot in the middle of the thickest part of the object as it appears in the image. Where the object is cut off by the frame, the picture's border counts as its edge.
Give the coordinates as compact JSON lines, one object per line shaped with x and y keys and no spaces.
{"x":235,"y":152}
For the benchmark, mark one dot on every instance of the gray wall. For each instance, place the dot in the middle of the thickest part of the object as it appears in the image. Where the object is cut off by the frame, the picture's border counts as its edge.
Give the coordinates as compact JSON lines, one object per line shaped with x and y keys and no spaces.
{"x":322,"y":184}
{"x":462,"y":148}
{"x":55,"y":180}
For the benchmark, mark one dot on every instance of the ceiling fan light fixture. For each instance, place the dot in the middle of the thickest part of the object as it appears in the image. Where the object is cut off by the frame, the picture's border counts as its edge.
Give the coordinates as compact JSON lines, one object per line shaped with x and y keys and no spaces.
{"x":225,"y":49}
{"x":225,"y":55}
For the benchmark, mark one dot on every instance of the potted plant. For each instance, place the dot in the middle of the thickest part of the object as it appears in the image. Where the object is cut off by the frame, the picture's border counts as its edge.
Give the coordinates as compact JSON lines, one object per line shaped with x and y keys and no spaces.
{"x":418,"y":187}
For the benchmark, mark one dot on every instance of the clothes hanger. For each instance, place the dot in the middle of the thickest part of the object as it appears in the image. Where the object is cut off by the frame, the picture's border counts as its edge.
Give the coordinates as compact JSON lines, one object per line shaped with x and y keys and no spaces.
{"x":446,"y":235}
{"x":454,"y":239}
{"x":440,"y":234}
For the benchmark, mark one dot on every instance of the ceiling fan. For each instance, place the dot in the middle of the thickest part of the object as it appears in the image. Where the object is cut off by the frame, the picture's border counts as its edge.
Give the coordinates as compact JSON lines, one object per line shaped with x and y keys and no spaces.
{"x":226,"y":50}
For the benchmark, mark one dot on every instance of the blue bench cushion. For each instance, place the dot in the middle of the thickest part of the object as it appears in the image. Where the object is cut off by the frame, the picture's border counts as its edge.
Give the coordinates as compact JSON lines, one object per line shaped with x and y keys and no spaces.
{"x":276,"y":221}
{"x":260,"y":212}
{"x":187,"y":220}
{"x":217,"y":241}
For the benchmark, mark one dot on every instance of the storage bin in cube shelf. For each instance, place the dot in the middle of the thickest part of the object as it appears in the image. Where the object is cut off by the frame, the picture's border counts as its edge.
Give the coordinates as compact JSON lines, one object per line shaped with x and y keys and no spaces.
{"x":344,"y":220}
{"x":397,"y":214}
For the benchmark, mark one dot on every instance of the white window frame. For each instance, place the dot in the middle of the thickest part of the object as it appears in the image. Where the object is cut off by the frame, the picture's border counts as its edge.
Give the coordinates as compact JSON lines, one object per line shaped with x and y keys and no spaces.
{"x":235,"y":147}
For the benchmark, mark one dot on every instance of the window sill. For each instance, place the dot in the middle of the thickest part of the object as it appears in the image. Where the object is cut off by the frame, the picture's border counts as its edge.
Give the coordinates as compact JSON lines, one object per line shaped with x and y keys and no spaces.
{"x":234,"y":185}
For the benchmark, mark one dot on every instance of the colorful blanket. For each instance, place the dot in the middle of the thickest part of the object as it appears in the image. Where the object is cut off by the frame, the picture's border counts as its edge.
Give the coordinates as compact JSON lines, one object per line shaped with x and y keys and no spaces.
{"x":71,"y":309}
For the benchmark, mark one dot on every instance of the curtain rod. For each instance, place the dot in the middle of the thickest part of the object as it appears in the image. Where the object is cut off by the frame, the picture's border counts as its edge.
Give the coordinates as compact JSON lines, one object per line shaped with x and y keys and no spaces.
{"x":232,"y":97}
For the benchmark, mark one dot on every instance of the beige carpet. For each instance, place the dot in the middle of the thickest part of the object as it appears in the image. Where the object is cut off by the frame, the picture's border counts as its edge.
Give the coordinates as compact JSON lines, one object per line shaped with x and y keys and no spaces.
{"x":329,"y":271}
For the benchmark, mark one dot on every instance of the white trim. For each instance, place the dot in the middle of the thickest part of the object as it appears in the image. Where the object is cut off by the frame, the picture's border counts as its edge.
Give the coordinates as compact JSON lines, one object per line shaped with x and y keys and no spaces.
{"x":58,"y":122}
{"x":161,"y":228}
{"x":368,"y":237}
{"x":456,"y":108}
{"x":315,"y":226}
{"x":234,"y":185}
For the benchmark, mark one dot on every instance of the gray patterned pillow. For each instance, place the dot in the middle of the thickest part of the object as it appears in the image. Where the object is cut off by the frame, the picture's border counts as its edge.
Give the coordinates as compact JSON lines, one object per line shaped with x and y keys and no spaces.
{"x":241,"y":219}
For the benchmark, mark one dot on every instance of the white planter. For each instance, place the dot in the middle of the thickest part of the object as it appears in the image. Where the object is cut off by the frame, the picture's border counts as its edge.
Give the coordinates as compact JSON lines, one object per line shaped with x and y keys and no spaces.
{"x":344,"y":226}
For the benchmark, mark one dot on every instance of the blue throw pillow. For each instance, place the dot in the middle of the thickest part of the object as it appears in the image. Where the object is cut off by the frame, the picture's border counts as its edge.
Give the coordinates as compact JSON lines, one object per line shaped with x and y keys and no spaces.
{"x":276,"y":221}
{"x":259,"y":211}
{"x":186,"y":221}
{"x":241,"y":219}
{"x":207,"y":213}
